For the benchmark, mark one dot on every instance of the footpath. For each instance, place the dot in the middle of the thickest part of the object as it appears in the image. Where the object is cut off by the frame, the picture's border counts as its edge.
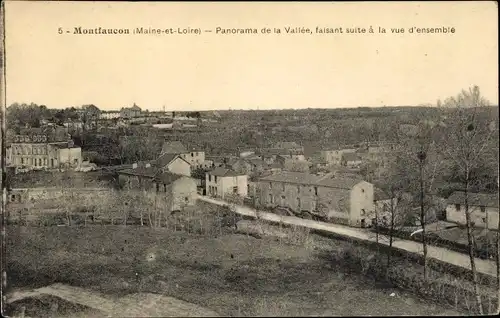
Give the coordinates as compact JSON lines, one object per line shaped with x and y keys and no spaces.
{"x":483,"y":266}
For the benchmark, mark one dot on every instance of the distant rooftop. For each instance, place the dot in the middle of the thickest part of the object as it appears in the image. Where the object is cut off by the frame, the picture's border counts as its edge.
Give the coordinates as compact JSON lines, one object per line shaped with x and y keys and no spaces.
{"x":312,"y":179}
{"x":474,"y":199}
{"x":224,"y":172}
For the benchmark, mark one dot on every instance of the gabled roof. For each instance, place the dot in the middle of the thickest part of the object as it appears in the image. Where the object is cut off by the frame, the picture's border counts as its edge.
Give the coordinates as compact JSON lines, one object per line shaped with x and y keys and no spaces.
{"x":173,"y":147}
{"x":223,"y":172}
{"x":166,"y":159}
{"x":311,"y":179}
{"x":474,"y":199}
{"x":150,"y":172}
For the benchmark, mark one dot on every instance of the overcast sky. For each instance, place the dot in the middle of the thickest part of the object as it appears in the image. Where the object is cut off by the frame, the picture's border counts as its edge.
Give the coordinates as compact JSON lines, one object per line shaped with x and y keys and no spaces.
{"x":210,"y":71}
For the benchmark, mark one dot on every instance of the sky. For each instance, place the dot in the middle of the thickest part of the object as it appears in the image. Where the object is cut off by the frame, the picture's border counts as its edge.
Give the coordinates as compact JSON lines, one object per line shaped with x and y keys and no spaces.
{"x":248,"y":71}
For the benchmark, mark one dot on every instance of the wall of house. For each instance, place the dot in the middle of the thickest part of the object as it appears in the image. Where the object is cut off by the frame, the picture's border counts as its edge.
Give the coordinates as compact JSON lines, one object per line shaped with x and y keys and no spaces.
{"x":362,"y":204}
{"x":488,"y":219}
{"x":179,"y":166}
{"x":183,"y":193}
{"x":211,"y":184}
{"x":195,"y":158}
{"x":242,"y":183}
{"x":70,"y":155}
{"x":492,"y":215}
{"x":335,"y":156}
{"x":292,"y":196}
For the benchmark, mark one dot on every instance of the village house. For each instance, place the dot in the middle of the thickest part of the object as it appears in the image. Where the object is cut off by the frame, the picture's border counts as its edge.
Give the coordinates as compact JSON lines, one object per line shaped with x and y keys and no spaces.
{"x":483,"y":209}
{"x":269,"y":155}
{"x":351,"y":160}
{"x":334,"y":157}
{"x":42,"y":148}
{"x":196,"y":158}
{"x":131,"y":112}
{"x":221,"y":181}
{"x":338,"y":200}
{"x":111,"y":114}
{"x":179,"y":190}
{"x":382,"y":201}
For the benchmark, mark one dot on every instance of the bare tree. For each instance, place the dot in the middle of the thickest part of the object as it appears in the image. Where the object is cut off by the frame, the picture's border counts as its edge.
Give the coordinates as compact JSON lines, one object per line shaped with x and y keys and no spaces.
{"x":468,"y":137}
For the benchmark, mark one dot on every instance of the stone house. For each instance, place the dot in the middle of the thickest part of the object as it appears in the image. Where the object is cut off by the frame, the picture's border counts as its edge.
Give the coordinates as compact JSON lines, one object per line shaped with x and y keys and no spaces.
{"x":131,"y":112}
{"x":338,"y":200}
{"x":196,"y":158}
{"x":42,"y":148}
{"x":483,"y":209}
{"x":172,"y":163}
{"x":179,"y":190}
{"x":221,"y":181}
{"x":334,"y":157}
{"x":351,"y":160}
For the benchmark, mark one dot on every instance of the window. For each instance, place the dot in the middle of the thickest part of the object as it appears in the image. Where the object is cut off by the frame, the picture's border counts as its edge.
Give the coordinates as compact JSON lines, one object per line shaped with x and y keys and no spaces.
{"x":298,"y":189}
{"x":270,"y":198}
{"x":298,"y":203}
{"x":157,"y":187}
{"x":270,"y":185}
{"x":363,"y":212}
{"x":209,"y":177}
{"x":315,"y":190}
{"x":483,"y":208}
{"x":186,"y":199}
{"x":215,"y":178}
{"x":283,"y":197}
{"x":363,"y":190}
{"x":484,"y":220}
{"x":457,"y":207}
{"x":283,"y":187}
{"x":192,"y":154}
{"x":235,"y":189}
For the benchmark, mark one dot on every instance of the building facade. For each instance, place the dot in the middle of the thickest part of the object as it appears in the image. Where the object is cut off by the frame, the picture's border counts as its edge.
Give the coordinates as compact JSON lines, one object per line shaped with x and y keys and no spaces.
{"x":334,"y":157}
{"x":338,"y":200}
{"x":196,"y":158}
{"x":483,"y":209}
{"x":179,"y":191}
{"x":221,"y":182}
{"x":37,"y":148}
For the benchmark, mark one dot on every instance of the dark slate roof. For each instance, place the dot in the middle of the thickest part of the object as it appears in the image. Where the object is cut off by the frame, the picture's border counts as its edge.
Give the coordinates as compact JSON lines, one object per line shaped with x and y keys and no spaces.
{"x":167,"y":177}
{"x":475,"y":199}
{"x":312,"y":179}
{"x":150,"y":172}
{"x":223,"y":172}
{"x":173,"y":147}
{"x":164,"y":160}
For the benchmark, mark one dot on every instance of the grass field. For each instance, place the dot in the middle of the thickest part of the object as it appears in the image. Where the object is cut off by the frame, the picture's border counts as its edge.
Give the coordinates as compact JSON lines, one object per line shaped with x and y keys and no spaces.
{"x":232,"y":274}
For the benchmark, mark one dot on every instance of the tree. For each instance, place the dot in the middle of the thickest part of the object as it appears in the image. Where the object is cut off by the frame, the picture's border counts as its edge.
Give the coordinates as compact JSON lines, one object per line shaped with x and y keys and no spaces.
{"x":468,"y":137}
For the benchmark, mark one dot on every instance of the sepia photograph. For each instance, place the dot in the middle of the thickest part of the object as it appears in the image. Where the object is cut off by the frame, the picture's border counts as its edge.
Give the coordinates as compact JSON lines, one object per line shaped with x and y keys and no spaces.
{"x":244,"y":159}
